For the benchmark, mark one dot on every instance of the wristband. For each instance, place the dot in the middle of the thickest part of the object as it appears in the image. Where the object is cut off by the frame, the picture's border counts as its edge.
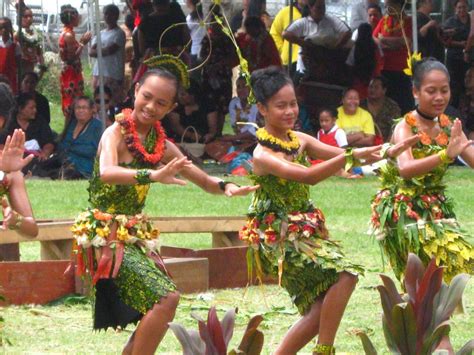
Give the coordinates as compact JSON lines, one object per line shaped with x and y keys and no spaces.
{"x":222,"y":184}
{"x":384,"y":150}
{"x":350,"y":160}
{"x":143,"y":177}
{"x":443,"y":156}
{"x":324,"y":349}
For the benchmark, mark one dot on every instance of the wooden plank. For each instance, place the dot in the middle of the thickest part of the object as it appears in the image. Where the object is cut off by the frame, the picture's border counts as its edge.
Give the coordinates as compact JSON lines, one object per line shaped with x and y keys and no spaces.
{"x":226,"y":239}
{"x":37,"y":282}
{"x":60,"y":230}
{"x":189,"y":274}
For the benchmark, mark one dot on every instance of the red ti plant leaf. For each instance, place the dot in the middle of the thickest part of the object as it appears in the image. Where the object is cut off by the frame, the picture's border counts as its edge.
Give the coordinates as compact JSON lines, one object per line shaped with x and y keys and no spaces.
{"x":423,"y":288}
{"x":387,"y":304}
{"x":252,"y":341}
{"x":215,"y":332}
{"x":205,"y":336}
{"x":404,"y":327}
{"x":467,"y":349}
{"x":424,"y":305}
{"x":433,"y":340}
{"x":413,"y":275}
{"x":228,"y":325}
{"x":392,"y":345}
{"x":369,"y":347}
{"x":189,"y":339}
{"x":392,"y":289}
{"x":449,"y":298}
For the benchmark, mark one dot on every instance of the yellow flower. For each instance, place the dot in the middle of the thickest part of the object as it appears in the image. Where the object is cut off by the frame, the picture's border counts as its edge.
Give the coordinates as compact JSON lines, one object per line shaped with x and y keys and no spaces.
{"x":103,"y":232}
{"x":412,"y":58}
{"x":122,"y":233}
{"x":288,"y":146}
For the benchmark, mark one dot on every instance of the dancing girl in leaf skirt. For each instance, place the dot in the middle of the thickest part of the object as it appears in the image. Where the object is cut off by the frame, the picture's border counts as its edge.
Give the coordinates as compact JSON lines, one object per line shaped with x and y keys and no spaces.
{"x":115,"y":243}
{"x":286,"y":233}
{"x":411,"y":213}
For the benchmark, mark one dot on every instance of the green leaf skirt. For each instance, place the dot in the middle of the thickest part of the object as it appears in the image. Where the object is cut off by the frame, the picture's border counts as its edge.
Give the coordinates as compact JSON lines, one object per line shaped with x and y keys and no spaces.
{"x":138,"y":287}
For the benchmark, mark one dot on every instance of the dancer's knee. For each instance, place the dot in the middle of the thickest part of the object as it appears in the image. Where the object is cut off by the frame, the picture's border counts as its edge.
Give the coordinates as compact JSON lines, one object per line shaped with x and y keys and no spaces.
{"x":349,"y":280}
{"x":170,"y":302}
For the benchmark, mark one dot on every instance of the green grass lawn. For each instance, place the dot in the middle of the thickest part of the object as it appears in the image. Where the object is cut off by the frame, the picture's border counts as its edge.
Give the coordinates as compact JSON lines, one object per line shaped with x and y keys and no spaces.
{"x":64,"y":328}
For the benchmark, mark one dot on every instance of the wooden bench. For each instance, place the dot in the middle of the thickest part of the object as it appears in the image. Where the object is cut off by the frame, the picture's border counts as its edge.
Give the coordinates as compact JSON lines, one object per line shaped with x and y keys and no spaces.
{"x":193,"y":270}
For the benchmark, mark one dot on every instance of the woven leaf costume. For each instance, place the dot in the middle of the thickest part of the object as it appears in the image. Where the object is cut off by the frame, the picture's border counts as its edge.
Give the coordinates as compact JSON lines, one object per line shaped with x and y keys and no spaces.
{"x":117,"y":246}
{"x":288,"y":239}
{"x":415,"y":216}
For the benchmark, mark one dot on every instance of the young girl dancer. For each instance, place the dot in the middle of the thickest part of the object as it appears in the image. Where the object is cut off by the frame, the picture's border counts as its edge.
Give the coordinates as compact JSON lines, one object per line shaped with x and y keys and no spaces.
{"x":411,"y":213}
{"x":116,"y":244}
{"x":286,"y":233}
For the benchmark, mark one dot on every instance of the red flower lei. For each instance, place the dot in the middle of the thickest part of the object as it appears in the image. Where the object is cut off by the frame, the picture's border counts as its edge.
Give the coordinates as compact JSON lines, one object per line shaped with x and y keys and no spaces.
{"x":134,"y":144}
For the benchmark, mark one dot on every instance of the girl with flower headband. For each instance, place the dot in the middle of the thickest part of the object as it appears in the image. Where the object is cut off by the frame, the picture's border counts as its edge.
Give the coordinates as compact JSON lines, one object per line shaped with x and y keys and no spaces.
{"x":286,"y":234}
{"x":411,"y":213}
{"x":116,"y":244}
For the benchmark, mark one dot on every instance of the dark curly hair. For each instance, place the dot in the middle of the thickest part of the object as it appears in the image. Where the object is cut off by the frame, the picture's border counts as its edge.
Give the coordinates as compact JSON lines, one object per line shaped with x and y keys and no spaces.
{"x":267,"y":82}
{"x":67,"y":14}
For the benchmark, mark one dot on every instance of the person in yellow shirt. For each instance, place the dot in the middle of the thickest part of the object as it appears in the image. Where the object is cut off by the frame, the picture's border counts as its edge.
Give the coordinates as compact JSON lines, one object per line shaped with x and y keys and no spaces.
{"x":280,"y":23}
{"x":355,"y":121}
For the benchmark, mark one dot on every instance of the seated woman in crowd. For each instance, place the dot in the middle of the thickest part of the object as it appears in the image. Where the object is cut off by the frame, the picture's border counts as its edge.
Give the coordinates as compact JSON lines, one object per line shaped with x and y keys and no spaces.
{"x":7,"y":102}
{"x":80,"y":139}
{"x":192,"y":110}
{"x":355,"y":121}
{"x":382,"y":108}
{"x":28,"y":86}
{"x":241,"y":111}
{"x":39,"y":137}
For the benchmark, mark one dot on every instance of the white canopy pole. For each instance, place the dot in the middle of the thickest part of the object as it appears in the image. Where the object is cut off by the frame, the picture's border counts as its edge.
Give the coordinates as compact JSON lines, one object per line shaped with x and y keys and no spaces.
{"x":414,"y":25}
{"x":100,"y":64}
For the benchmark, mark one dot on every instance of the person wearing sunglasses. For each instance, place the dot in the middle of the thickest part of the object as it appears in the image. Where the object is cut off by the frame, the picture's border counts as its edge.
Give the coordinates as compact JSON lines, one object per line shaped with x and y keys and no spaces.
{"x":109,"y":105}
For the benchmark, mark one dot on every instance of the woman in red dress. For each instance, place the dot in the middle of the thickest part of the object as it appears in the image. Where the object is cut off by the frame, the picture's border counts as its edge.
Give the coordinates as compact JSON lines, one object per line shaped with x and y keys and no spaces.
{"x":72,"y":83}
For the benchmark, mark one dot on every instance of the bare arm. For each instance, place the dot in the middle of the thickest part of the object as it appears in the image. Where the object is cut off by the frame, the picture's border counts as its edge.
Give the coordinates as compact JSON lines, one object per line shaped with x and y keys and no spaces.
{"x":317,"y":149}
{"x":343,"y":39}
{"x":293,"y":38}
{"x":410,"y":167}
{"x":112,"y":173}
{"x":20,"y":205}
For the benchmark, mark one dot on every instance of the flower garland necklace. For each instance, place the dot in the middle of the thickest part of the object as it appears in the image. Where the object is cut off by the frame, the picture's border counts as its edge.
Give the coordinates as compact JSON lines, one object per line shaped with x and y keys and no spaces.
{"x":276,"y":144}
{"x":135,"y":146}
{"x":443,"y":136}
{"x":388,"y":25}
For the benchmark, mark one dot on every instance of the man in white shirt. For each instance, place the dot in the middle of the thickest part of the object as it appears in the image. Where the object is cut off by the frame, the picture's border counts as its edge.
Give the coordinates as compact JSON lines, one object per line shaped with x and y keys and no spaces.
{"x":317,"y":23}
{"x":113,"y":54}
{"x":359,"y":12}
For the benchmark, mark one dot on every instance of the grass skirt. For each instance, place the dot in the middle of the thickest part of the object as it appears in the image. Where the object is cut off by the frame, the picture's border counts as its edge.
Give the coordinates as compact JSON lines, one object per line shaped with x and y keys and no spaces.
{"x":424,"y":225}
{"x":296,"y":250}
{"x":138,"y":286}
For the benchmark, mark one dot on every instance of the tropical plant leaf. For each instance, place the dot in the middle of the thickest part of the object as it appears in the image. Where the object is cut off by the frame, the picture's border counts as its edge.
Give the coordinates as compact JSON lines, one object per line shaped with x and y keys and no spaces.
{"x":431,"y":342}
{"x":391,"y":288}
{"x":215,"y":331}
{"x":467,"y":349}
{"x":387,"y":304}
{"x":369,"y":347}
{"x":227,"y":324}
{"x":413,"y":275}
{"x":389,"y":339}
{"x":425,"y":305}
{"x":189,"y":339}
{"x":425,"y":281}
{"x":251,"y":339}
{"x":452,"y":297}
{"x":205,"y":336}
{"x":404,"y":328}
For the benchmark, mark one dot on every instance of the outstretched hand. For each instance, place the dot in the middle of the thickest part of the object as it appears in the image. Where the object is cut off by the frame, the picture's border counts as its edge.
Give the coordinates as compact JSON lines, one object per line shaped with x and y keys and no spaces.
{"x":368,"y":155}
{"x":12,"y":155}
{"x":166,"y":175}
{"x":458,"y":141}
{"x":235,"y":190}
{"x":399,"y":148}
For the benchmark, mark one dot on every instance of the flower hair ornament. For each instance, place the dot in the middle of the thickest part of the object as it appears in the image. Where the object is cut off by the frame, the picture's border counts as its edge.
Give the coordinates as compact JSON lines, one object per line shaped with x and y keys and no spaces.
{"x":171,"y":63}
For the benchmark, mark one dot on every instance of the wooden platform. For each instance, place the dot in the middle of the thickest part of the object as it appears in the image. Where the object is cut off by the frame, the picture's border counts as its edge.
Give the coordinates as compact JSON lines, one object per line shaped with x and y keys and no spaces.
{"x":193,"y":270}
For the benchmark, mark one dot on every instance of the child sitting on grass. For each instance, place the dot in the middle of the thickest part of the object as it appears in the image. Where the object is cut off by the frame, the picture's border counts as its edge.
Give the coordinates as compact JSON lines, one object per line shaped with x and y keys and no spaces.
{"x":331,"y":134}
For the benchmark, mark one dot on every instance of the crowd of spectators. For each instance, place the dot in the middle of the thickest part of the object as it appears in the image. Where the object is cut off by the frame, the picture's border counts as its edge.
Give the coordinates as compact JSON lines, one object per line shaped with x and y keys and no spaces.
{"x":375,"y":46}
